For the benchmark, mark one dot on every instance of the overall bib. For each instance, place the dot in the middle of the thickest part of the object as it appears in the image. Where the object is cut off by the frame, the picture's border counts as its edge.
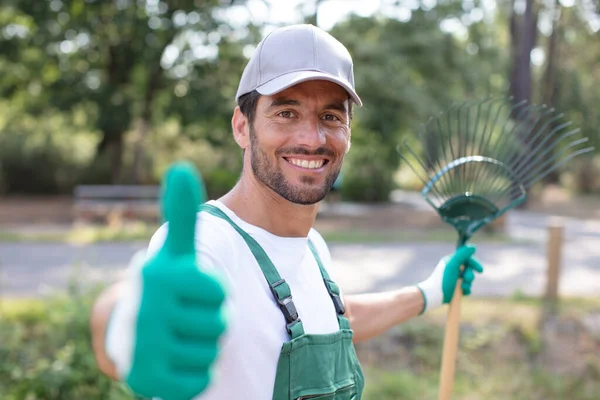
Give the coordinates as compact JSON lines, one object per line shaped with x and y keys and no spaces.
{"x":319,"y":367}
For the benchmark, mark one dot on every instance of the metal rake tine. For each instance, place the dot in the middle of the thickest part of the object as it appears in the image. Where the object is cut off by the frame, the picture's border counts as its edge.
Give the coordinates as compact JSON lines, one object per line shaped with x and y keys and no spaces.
{"x":530,"y":125}
{"x":540,"y":172}
{"x":469,"y":150}
{"x":444,"y":134}
{"x":444,"y":181}
{"x":441,"y":134}
{"x":532,"y":138}
{"x":443,"y":146}
{"x":461,"y":148}
{"x":559,"y":164}
{"x":505,"y":142}
{"x":502,"y":134}
{"x":409,"y":163}
{"x":508,"y":144}
{"x":449,"y":131}
{"x":552,"y":146}
{"x":494,"y":123}
{"x":423,"y":135}
{"x":533,"y":173}
{"x":539,"y":156}
{"x":482,"y":135}
{"x":500,"y":185}
{"x":507,"y":187}
{"x":425,"y":182}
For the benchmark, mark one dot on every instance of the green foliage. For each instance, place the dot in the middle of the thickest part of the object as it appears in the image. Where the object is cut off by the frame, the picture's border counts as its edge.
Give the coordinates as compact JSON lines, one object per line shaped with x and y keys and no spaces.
{"x":499,"y":382}
{"x":128,"y":64}
{"x":126,"y":61}
{"x":387,"y":385}
{"x":44,"y":154}
{"x":494,"y":361}
{"x":367,"y":175}
{"x":405,"y":72}
{"x":46,"y":353}
{"x":219,"y":181}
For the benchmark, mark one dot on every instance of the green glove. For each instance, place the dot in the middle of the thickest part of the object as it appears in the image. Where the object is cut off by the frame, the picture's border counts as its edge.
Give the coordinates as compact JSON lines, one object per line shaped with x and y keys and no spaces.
{"x":173,"y":308}
{"x":438,"y":289}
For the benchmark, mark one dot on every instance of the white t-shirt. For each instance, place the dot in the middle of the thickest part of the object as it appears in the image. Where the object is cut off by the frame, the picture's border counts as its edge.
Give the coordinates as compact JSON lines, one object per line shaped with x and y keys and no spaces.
{"x":247,"y":363}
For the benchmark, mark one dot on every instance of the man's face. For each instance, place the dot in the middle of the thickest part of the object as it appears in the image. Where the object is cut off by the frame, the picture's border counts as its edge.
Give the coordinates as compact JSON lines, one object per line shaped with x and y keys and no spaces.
{"x":299,"y":139}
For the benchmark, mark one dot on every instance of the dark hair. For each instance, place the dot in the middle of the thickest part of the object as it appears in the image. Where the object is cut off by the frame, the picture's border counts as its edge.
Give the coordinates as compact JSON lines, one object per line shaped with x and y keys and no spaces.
{"x":249,"y":101}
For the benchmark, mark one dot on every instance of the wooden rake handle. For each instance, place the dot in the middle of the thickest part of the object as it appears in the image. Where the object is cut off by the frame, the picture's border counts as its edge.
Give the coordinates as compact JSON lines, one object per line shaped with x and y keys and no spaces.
{"x":450,"y":344}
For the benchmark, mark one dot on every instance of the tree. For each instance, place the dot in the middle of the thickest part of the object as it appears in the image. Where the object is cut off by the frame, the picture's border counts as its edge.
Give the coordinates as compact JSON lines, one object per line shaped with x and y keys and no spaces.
{"x":523,"y":35}
{"x":121,"y":59}
{"x":405,"y":72}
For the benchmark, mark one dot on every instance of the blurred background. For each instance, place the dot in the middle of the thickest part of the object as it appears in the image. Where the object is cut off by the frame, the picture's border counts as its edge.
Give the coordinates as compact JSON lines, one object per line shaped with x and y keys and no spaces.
{"x":97,"y":98}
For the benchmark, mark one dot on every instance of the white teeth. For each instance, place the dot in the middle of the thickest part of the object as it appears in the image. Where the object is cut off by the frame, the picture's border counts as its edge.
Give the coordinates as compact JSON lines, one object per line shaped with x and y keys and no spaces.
{"x":307,"y":164}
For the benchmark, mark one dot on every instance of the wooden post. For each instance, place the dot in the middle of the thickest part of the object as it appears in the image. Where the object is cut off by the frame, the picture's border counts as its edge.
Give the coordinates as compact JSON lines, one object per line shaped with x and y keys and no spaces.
{"x":554,"y":251}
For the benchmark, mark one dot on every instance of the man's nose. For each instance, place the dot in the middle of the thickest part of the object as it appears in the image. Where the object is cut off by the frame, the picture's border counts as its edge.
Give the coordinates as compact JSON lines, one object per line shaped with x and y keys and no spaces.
{"x":312,"y":134}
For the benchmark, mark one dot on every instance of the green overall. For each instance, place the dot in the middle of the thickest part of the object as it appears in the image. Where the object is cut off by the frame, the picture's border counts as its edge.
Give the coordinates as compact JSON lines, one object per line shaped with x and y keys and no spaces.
{"x":319,"y":367}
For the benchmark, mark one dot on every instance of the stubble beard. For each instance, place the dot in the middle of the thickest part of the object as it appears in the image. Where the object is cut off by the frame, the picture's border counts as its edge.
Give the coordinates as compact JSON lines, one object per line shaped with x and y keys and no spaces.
{"x":270,"y":174}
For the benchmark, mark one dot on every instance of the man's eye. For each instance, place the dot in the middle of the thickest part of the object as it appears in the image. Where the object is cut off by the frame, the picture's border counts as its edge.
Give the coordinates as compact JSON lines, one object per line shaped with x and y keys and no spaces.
{"x":330,"y":117}
{"x":286,"y":114}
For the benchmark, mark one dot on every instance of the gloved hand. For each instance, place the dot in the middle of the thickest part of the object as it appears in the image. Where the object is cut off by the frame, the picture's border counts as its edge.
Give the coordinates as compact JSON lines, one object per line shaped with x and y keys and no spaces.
{"x":163,"y":333}
{"x":438,"y":289}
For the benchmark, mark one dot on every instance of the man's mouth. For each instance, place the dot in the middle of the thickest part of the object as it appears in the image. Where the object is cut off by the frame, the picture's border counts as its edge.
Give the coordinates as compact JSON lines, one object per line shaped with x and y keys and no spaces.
{"x":307,"y":164}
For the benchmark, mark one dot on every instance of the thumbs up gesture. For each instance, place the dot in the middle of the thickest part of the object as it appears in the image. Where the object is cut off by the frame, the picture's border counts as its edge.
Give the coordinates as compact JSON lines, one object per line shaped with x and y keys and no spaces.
{"x":180,"y":316}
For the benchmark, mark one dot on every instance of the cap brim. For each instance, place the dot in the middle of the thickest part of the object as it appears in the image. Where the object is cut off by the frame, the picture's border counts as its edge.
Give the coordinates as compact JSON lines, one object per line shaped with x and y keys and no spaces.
{"x":283,"y":82}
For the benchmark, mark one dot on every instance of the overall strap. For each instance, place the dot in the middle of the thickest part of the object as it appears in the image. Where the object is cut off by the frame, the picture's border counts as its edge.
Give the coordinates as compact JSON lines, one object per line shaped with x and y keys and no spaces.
{"x":279,"y":287}
{"x":332,"y":288}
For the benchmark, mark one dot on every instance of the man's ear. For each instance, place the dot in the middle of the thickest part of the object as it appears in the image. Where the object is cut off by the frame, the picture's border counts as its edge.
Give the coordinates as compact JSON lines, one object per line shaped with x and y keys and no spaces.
{"x":241,"y":128}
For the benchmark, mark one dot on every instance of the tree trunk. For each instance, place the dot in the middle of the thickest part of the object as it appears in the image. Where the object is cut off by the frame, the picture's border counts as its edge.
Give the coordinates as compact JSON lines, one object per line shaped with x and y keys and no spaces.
{"x":111,"y":147}
{"x":139,"y":149}
{"x":142,"y":128}
{"x":549,"y":82}
{"x":313,"y":19}
{"x":523,"y":32}
{"x":550,"y":79}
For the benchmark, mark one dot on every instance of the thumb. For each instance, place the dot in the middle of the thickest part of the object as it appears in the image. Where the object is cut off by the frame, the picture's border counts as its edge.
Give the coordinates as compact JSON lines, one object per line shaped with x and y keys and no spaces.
{"x":182,"y":193}
{"x":461,"y":256}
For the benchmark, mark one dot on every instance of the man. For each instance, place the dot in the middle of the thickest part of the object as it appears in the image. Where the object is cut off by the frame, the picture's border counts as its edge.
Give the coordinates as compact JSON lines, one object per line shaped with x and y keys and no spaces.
{"x":254,"y":256}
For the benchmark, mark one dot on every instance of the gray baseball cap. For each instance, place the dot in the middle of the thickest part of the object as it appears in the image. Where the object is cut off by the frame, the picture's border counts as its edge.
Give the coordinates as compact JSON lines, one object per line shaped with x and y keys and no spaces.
{"x":294,"y":54}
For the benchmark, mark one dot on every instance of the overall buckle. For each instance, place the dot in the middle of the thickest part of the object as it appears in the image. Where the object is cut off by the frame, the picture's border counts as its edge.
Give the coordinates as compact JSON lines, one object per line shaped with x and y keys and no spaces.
{"x":337,"y":300}
{"x":286,"y":305}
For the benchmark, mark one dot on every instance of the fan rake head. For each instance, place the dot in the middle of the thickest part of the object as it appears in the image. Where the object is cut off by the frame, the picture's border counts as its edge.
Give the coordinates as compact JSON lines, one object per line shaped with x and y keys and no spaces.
{"x":477,"y":159}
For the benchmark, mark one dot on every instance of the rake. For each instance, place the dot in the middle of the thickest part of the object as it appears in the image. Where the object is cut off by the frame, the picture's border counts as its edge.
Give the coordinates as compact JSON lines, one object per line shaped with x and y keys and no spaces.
{"x":476,"y":161}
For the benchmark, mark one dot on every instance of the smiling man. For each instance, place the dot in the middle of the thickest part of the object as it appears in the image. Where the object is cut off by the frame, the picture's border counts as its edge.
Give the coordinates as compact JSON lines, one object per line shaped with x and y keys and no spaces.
{"x":250,"y":264}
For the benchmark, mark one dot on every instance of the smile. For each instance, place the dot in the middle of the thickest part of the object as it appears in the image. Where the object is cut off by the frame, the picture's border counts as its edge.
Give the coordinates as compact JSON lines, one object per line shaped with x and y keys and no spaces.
{"x":308,"y":164}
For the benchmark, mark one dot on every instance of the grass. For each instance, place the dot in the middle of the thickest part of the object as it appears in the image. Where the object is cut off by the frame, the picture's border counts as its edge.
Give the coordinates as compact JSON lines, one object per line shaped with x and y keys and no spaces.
{"x":500,"y":355}
{"x":140,"y":231}
{"x":430,"y":235}
{"x":405,"y":364}
{"x":88,"y":234}
{"x":501,"y":382}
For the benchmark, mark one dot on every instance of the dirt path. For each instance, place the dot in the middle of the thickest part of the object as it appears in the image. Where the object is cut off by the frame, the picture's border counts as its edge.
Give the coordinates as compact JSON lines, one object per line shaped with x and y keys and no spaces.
{"x":407,"y":209}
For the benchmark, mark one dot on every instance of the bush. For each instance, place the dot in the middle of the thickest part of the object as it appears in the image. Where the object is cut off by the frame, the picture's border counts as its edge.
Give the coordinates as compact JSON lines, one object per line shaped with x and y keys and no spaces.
{"x":219,"y":181}
{"x":42,"y":154}
{"x":46,"y":352}
{"x":368,"y":174}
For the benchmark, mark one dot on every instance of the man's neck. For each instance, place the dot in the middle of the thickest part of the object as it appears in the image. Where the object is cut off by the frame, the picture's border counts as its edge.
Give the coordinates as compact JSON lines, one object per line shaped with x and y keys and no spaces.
{"x":258,"y":205}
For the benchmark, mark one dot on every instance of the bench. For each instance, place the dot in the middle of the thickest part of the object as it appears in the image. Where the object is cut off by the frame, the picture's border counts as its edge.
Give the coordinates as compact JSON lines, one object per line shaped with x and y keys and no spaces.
{"x":107,"y":203}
